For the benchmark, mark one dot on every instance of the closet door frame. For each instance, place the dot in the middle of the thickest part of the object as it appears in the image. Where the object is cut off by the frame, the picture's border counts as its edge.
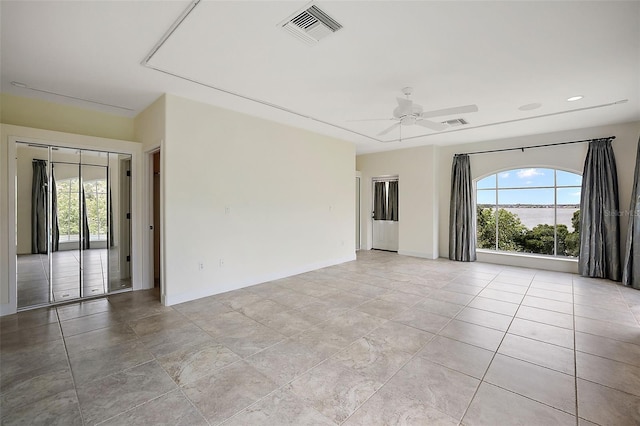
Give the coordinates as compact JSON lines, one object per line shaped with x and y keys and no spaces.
{"x":81,"y":143}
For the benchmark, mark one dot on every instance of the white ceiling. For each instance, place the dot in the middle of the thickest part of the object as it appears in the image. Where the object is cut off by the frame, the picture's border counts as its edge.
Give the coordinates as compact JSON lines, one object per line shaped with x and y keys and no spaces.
{"x":499,"y":55}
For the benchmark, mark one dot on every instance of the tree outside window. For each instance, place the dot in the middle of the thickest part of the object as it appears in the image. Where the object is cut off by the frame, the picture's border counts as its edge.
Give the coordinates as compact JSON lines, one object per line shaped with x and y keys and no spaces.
{"x":68,"y":193}
{"x":531,"y":210}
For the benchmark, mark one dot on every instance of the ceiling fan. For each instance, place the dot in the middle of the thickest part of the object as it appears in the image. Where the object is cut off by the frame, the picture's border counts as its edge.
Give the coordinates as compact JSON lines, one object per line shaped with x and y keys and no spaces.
{"x":408,"y":113}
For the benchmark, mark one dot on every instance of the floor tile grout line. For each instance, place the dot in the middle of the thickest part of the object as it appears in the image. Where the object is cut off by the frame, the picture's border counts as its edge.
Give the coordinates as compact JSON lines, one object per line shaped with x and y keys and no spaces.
{"x":482,"y":380}
{"x":73,"y":379}
{"x":415,"y":355}
{"x":352,"y":343}
{"x":155,"y":359}
{"x":422,"y":298}
{"x":607,"y":358}
{"x":134,"y":407}
{"x":635,"y":396}
{"x":637,"y":318}
{"x":354,"y":308}
{"x":389,"y":379}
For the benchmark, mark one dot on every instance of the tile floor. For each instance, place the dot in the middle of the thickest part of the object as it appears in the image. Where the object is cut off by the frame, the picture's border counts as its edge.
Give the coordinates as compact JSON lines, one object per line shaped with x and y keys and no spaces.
{"x":383,"y":340}
{"x":33,"y":276}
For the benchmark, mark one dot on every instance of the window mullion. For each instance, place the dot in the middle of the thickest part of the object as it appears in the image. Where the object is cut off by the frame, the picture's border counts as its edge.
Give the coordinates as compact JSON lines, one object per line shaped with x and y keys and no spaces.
{"x":555,"y":213}
{"x":496,"y":212}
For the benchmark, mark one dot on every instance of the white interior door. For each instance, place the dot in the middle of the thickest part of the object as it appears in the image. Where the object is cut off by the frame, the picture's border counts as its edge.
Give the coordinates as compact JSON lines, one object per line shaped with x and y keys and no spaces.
{"x":385,"y":235}
{"x":384,"y":228}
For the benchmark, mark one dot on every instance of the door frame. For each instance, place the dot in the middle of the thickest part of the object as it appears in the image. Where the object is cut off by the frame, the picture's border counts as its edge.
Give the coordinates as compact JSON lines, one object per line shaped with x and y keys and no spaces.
{"x":148,"y":220}
{"x":381,"y":178}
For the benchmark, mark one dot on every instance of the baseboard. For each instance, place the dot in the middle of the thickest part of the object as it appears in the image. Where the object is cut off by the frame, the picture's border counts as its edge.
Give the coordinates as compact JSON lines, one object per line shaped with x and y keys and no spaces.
{"x":417,"y":254}
{"x":174,"y":299}
{"x":7,"y":309}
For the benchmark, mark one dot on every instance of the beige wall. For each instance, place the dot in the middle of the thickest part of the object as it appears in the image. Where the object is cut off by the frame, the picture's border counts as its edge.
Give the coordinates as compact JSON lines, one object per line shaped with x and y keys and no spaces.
{"x":266,"y":199}
{"x":40,"y":114}
{"x":150,"y":124}
{"x":417,"y":197}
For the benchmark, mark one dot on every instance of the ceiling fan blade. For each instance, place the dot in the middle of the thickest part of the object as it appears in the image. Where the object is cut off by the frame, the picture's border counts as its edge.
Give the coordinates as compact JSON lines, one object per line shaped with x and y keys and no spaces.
{"x":388,"y":129}
{"x":450,"y":111}
{"x":404,"y":106}
{"x":371,"y":119}
{"x":431,"y":125}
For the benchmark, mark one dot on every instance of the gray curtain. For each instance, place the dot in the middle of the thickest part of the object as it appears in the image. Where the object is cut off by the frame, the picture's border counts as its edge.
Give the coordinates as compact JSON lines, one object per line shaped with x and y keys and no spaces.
{"x":86,"y":240}
{"x":55,"y":229}
{"x":392,"y":212}
{"x":462,"y":222}
{"x":631,"y":268}
{"x":39,"y":207}
{"x":380,"y":201}
{"x":599,"y":210}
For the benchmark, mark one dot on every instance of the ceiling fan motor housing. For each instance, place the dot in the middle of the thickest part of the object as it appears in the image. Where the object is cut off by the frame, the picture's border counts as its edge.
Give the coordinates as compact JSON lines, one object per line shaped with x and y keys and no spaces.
{"x":415,"y":111}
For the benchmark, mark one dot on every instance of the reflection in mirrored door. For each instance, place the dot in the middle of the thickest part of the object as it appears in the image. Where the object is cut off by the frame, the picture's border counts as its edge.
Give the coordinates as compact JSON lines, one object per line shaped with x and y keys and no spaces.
{"x":66,"y":213}
{"x":119,"y":221}
{"x":32,"y":181}
{"x":94,"y":206}
{"x":73,"y":241}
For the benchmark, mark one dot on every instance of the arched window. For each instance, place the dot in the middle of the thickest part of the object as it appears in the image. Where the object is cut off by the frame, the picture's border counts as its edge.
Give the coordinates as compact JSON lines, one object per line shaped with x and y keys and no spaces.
{"x":531,"y":210}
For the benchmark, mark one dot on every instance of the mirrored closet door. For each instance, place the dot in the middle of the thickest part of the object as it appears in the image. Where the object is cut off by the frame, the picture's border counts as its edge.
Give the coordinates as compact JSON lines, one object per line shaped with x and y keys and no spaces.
{"x":73,"y":232}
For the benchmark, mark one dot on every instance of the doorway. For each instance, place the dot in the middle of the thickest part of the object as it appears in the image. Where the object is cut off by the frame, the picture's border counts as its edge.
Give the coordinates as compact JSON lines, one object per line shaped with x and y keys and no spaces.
{"x":155,"y":220}
{"x":385,"y":214}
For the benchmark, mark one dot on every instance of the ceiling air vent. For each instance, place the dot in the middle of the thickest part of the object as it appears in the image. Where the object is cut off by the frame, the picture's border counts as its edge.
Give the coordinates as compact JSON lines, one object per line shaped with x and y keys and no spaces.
{"x":311,"y":25}
{"x":456,"y":122}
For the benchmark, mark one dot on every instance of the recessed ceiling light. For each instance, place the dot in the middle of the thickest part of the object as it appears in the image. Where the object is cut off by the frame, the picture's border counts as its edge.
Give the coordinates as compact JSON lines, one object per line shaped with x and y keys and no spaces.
{"x":529,"y":107}
{"x":575,"y":98}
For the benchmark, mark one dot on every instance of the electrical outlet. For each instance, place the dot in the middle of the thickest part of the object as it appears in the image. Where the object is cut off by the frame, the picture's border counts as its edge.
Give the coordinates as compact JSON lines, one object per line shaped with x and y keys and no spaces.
{"x":227,"y":210}
{"x":221,"y":263}
{"x":200,"y":266}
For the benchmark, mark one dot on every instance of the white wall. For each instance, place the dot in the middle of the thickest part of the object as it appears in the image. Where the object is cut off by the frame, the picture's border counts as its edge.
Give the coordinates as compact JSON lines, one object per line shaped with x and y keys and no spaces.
{"x":417,"y":197}
{"x":265,"y":199}
{"x":150,"y":130}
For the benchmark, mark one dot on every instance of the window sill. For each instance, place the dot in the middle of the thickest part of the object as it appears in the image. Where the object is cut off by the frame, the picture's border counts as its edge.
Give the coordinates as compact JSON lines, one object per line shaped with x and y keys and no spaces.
{"x":529,"y":260}
{"x":528,"y":255}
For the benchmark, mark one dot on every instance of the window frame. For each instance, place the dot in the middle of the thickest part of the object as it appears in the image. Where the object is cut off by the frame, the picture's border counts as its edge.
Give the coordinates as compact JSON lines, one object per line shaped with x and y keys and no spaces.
{"x":496,"y":188}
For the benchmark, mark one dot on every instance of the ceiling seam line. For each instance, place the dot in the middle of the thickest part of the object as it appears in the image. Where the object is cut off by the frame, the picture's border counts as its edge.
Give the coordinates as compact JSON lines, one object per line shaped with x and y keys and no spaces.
{"x":265,"y":103}
{"x":192,"y":6}
{"x":170,"y":31}
{"x":516,"y":120}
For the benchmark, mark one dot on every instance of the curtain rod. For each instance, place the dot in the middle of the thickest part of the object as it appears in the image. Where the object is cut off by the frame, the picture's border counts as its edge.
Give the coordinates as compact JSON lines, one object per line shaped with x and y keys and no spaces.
{"x":536,"y":146}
